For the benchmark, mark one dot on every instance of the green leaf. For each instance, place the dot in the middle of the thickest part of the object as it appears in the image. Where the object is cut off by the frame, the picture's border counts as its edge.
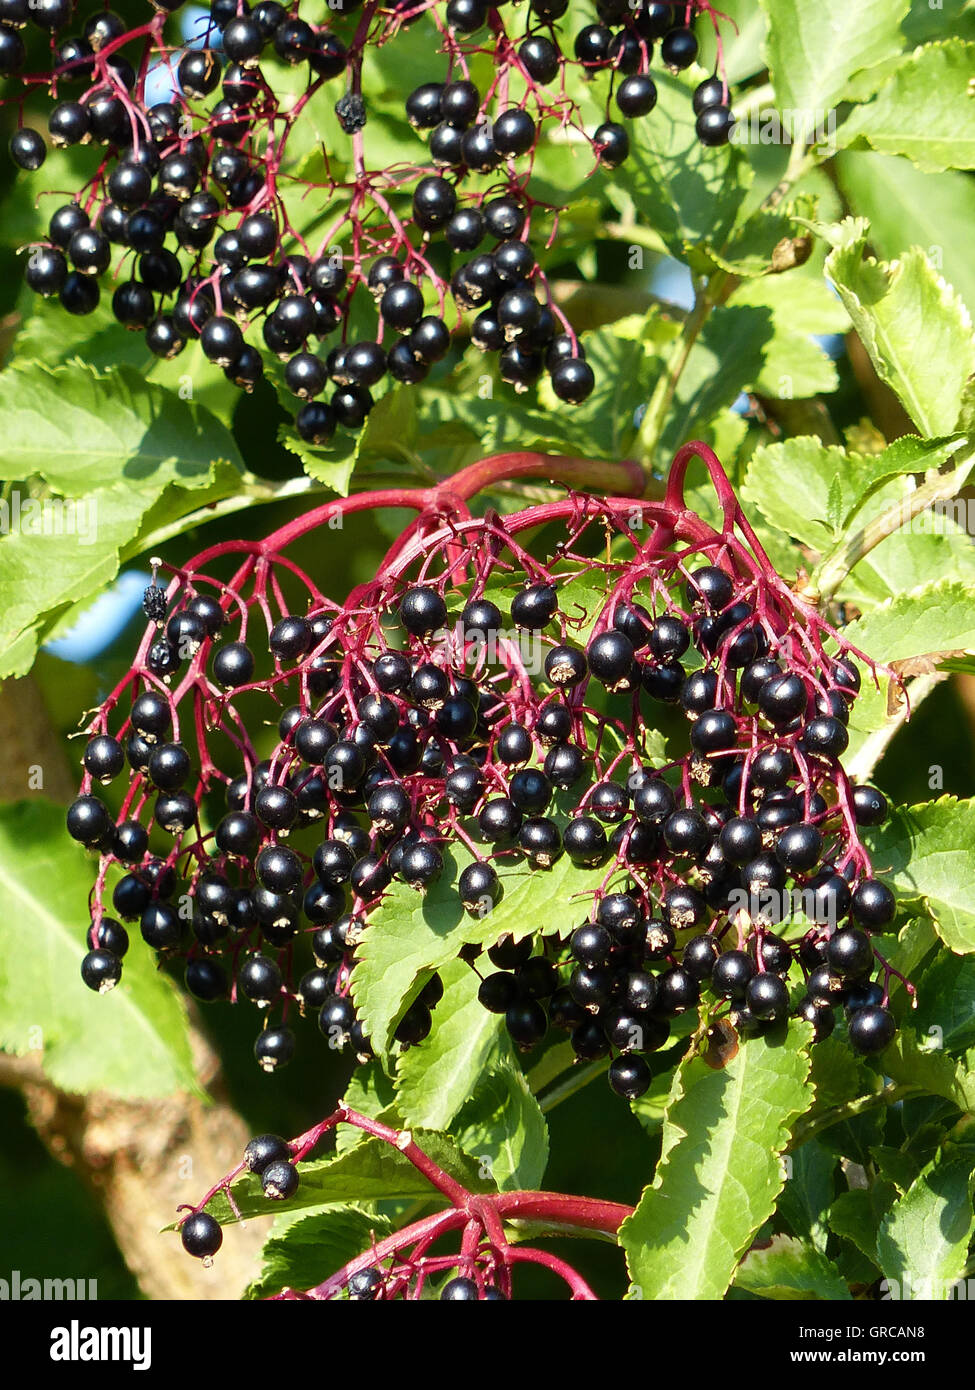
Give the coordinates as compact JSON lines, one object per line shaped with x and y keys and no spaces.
{"x":801,"y":305}
{"x":373,"y":1171}
{"x":308,"y":1251}
{"x":935,"y":1072}
{"x":946,"y":1002}
{"x":924,"y":1238}
{"x":721,"y":1170}
{"x":133,"y":1041}
{"x":901,"y":1169}
{"x":927,"y":855}
{"x":411,"y":933}
{"x":906,"y":559}
{"x":808,"y":1192}
{"x":503,"y":1125}
{"x":788,"y":1270}
{"x":813,"y":51}
{"x":80,"y":429}
{"x":435,"y":1080}
{"x":938,"y":617}
{"x":728,"y":358}
{"x":118,"y":448}
{"x":914,"y":326}
{"x":797,"y":484}
{"x":856,"y":1216}
{"x":40,"y":575}
{"x":924,"y":110}
{"x":908,"y":208}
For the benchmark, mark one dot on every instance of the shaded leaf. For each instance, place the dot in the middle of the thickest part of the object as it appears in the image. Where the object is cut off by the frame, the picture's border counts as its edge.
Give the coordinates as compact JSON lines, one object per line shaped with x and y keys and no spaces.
{"x":133,"y":1041}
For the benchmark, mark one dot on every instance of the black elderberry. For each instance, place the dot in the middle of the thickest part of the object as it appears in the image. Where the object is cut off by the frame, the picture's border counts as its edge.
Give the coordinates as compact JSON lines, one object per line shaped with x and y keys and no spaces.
{"x":526,"y":1023}
{"x":529,"y":789}
{"x":499,"y":820}
{"x":415,"y":1024}
{"x":799,"y":848}
{"x":820,"y":1015}
{"x":479,"y":888}
{"x":636,"y":95}
{"x":206,"y":979}
{"x":871,"y":1029}
{"x":849,"y":952}
{"x":731,"y":974}
{"x":101,"y":969}
{"x":201,"y":1235}
{"x":678,"y":48}
{"x":699,"y":956}
{"x":683,"y":907}
{"x":274,"y":1048}
{"x":591,"y":945}
{"x":767,"y":996}
{"x":88,"y":820}
{"x":610,"y":657}
{"x":422,"y":611}
{"x":685,"y":832}
{"x":715,"y":125}
{"x":584,"y":840}
{"x":27,"y":148}
{"x":824,"y":737}
{"x":873,"y":904}
{"x":279,"y":1180}
{"x":233,"y":665}
{"x":629,"y":1077}
{"x":540,"y":58}
{"x":534,"y":607}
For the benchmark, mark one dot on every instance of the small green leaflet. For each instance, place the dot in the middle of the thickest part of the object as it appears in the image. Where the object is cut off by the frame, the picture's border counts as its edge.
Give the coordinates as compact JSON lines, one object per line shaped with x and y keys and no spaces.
{"x":813,"y":51}
{"x":810,"y":490}
{"x":926,"y":854}
{"x":923,"y":1240}
{"x":856,"y":1215}
{"x":503,"y":1125}
{"x":435,"y":1080}
{"x":133,"y":1041}
{"x":789,"y":1270}
{"x":309,"y":1250}
{"x":79,"y":428}
{"x":906,"y":207}
{"x":938,"y":617}
{"x":721,"y":1170}
{"x":914,"y":326}
{"x":924,"y":110}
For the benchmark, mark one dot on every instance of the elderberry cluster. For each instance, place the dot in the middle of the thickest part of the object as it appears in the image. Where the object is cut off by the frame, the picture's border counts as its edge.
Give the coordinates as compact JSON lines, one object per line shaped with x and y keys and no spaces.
{"x":464,"y":720}
{"x":188,"y":211}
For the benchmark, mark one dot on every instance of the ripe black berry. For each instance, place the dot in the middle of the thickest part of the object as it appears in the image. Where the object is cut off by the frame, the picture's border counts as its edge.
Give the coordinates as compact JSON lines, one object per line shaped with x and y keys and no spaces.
{"x":101,"y":969}
{"x":873,"y":904}
{"x":610,"y":658}
{"x":201,"y":1235}
{"x":422,"y":611}
{"x":629,"y":1076}
{"x":233,"y":665}
{"x":871,"y":1030}
{"x":279,"y":1180}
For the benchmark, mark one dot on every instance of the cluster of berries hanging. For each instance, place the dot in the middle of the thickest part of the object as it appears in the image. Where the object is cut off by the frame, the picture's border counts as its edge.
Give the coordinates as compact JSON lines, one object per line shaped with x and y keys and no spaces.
{"x":473,"y":713}
{"x":190,"y":208}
